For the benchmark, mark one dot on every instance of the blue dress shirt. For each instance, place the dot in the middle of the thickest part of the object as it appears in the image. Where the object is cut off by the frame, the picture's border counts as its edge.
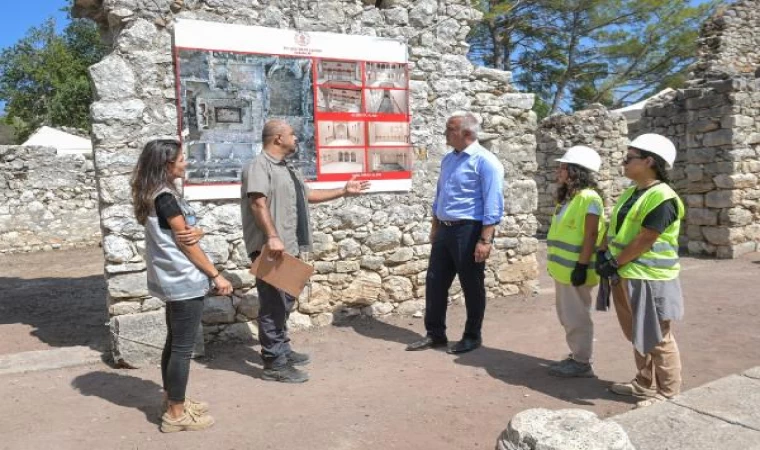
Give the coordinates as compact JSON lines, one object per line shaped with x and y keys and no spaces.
{"x":471,"y":186}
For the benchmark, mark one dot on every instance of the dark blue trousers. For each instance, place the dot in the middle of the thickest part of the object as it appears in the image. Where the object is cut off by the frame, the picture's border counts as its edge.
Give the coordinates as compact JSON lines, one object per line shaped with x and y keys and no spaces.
{"x":452,"y":254}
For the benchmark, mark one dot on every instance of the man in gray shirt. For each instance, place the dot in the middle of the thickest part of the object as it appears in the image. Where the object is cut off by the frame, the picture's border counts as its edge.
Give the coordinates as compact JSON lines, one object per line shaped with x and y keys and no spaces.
{"x":275,"y":214}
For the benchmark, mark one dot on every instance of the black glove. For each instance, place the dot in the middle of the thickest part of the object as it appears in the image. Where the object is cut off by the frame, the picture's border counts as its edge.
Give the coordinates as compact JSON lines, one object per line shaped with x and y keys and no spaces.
{"x":578,"y":277}
{"x":601,"y":257}
{"x":607,"y":269}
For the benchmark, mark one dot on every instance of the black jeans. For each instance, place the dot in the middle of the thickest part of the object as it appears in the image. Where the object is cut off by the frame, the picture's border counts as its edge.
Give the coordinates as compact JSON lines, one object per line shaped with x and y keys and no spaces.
{"x":182,"y":320}
{"x":453,"y":253}
{"x":274,"y":310}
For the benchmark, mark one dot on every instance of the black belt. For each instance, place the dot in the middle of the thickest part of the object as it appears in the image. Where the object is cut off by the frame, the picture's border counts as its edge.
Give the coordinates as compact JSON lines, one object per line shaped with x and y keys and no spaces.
{"x":454,"y":223}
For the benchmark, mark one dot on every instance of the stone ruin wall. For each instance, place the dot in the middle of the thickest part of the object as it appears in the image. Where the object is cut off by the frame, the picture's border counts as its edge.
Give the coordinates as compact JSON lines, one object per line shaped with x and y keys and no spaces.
{"x":47,"y":202}
{"x":729,"y":42}
{"x":715,"y":122}
{"x":370,"y":252}
{"x":597,"y":128}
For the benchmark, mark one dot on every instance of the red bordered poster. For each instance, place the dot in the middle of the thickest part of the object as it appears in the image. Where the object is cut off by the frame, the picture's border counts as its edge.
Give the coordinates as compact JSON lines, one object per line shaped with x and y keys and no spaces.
{"x":347,"y":98}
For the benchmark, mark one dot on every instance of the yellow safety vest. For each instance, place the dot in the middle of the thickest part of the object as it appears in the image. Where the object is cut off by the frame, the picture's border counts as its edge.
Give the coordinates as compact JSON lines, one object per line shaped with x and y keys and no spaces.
{"x":660,"y":262}
{"x":565,"y":240}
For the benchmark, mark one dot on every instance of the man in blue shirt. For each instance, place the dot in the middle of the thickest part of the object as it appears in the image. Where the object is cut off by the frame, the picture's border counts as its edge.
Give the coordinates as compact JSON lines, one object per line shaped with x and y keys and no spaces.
{"x":469,"y":203}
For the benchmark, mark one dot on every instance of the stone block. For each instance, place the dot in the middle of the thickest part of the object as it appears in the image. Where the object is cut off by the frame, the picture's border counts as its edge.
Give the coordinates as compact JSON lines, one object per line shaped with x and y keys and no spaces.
{"x":736,"y":217}
{"x":242,"y":332}
{"x":702,"y":216}
{"x":753,"y":373}
{"x":385,"y":239}
{"x":723,"y":198}
{"x":112,"y":79}
{"x":401,"y":255}
{"x":722,"y":235}
{"x":128,"y":285}
{"x":298,"y":321}
{"x":672,"y":427}
{"x":137,"y":340}
{"x":218,"y":310}
{"x":718,"y":138}
{"x":565,"y":429}
{"x":124,"y":111}
{"x":398,"y":288}
{"x":249,"y":304}
{"x":117,"y":249}
{"x":734,"y":399}
{"x":239,"y":278}
{"x":216,"y":248}
{"x":410,"y":307}
{"x":364,"y":289}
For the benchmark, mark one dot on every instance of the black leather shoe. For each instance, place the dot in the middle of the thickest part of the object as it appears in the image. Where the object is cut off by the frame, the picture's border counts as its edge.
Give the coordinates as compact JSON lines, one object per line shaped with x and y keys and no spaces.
{"x":464,"y":346}
{"x":426,"y":343}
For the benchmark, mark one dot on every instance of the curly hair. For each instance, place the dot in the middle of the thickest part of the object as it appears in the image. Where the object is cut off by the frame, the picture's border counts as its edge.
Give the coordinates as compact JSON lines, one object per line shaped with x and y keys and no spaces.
{"x":151,"y":174}
{"x":578,"y":178}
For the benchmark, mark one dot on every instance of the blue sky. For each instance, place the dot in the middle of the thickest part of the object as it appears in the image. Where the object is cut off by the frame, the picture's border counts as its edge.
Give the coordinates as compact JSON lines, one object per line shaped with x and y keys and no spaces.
{"x":19,"y":16}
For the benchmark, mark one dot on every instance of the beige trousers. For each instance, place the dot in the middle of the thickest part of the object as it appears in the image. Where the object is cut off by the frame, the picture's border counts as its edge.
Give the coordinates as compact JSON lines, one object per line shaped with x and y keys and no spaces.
{"x":574,"y":312}
{"x":659,"y":369}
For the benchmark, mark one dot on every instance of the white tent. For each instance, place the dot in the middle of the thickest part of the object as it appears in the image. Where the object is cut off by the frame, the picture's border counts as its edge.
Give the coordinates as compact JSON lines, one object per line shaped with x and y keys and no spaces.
{"x":64,"y":143}
{"x":633,"y":112}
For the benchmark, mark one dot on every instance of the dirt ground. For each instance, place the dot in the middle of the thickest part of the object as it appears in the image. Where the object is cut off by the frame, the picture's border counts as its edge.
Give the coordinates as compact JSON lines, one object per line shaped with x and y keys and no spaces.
{"x":365,"y":392}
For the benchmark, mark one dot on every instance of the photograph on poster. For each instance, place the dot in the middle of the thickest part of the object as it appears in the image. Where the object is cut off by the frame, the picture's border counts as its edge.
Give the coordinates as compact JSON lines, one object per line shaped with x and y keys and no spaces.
{"x":330,"y":99}
{"x":386,"y":101}
{"x":337,"y":73}
{"x":385,"y":75}
{"x":388,"y":133}
{"x":341,"y":160}
{"x":390,"y":159}
{"x":340,"y":134}
{"x":227,"y":97}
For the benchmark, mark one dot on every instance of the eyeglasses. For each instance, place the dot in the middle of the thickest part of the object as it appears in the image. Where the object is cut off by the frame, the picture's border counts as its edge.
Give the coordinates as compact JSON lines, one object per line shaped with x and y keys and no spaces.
{"x":630,"y":158}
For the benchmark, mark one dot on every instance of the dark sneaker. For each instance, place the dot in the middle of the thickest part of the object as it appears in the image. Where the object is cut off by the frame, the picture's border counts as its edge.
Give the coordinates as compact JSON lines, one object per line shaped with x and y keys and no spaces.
{"x":559,"y":363}
{"x":285,"y":374}
{"x":298,"y":359}
{"x":571,"y":368}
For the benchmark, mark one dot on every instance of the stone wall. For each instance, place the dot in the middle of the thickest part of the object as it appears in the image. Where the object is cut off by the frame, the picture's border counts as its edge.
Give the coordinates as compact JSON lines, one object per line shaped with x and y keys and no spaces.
{"x":597,"y":128}
{"x":729,"y":42}
{"x":371,"y":252}
{"x":715,"y":125}
{"x":46,"y":201}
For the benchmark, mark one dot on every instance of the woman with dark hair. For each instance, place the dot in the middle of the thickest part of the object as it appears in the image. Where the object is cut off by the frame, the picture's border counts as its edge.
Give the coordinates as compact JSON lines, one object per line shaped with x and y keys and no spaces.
{"x":179,"y":273}
{"x":642,"y":242}
{"x":571,"y":244}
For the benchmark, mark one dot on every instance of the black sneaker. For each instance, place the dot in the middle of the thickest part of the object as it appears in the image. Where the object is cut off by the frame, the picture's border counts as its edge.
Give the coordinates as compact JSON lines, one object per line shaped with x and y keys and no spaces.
{"x":298,"y":359}
{"x":285,"y":374}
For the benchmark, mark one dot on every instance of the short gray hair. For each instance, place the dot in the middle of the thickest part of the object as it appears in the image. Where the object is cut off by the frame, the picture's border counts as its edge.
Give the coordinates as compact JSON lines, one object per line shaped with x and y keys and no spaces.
{"x":469,"y":122}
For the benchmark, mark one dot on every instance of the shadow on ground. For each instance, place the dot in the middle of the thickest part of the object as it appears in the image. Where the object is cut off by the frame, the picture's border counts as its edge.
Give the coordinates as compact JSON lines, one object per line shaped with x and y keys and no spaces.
{"x":123,"y":390}
{"x":510,"y":367}
{"x":62,"y":311}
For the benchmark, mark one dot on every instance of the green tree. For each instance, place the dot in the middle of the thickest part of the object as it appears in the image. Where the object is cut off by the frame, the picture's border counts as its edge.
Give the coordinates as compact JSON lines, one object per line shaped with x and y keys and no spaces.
{"x":575,"y":52}
{"x":43,"y":77}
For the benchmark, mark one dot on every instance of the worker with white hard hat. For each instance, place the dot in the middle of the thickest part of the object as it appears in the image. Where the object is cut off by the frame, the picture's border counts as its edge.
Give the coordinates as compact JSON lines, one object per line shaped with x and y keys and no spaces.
{"x":642,"y":250}
{"x":577,"y":225}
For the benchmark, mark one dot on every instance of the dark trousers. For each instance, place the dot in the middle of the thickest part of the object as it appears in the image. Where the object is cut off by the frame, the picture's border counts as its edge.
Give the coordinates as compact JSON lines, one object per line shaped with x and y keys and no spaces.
{"x":182,"y":320}
{"x":453,"y":253}
{"x":274,"y":310}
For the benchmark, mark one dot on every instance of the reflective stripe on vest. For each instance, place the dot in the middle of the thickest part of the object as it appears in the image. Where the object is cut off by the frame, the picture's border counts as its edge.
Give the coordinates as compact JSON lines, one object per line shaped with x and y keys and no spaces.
{"x":661,"y":261}
{"x":565,"y":240}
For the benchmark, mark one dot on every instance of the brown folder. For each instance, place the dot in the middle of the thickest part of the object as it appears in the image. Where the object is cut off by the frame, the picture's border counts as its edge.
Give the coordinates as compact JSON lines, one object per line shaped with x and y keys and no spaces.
{"x":287,"y":272}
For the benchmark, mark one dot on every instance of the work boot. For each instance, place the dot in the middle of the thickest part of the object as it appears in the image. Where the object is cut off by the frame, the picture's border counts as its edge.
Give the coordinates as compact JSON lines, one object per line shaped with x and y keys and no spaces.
{"x":559,"y":363}
{"x":632,"y":389}
{"x":285,"y":374}
{"x":571,"y":368}
{"x":189,"y":421}
{"x":298,"y":359}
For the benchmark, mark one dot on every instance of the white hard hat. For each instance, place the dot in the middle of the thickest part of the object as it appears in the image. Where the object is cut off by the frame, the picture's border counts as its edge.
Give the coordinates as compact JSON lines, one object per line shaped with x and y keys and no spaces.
{"x":657,"y":144}
{"x":583,"y":156}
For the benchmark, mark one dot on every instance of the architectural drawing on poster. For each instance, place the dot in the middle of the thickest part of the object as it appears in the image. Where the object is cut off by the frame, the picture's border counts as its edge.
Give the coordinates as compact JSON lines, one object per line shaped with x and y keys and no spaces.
{"x":231,"y":79}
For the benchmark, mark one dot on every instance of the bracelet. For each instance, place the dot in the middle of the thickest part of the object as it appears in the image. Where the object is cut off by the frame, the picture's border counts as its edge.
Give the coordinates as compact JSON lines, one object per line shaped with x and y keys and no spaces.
{"x":214,"y":276}
{"x":274,"y":236}
{"x":485,"y":241}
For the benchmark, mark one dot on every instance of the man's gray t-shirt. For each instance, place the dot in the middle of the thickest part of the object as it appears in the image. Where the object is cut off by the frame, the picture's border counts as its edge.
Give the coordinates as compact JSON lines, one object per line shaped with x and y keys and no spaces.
{"x":281,"y":185}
